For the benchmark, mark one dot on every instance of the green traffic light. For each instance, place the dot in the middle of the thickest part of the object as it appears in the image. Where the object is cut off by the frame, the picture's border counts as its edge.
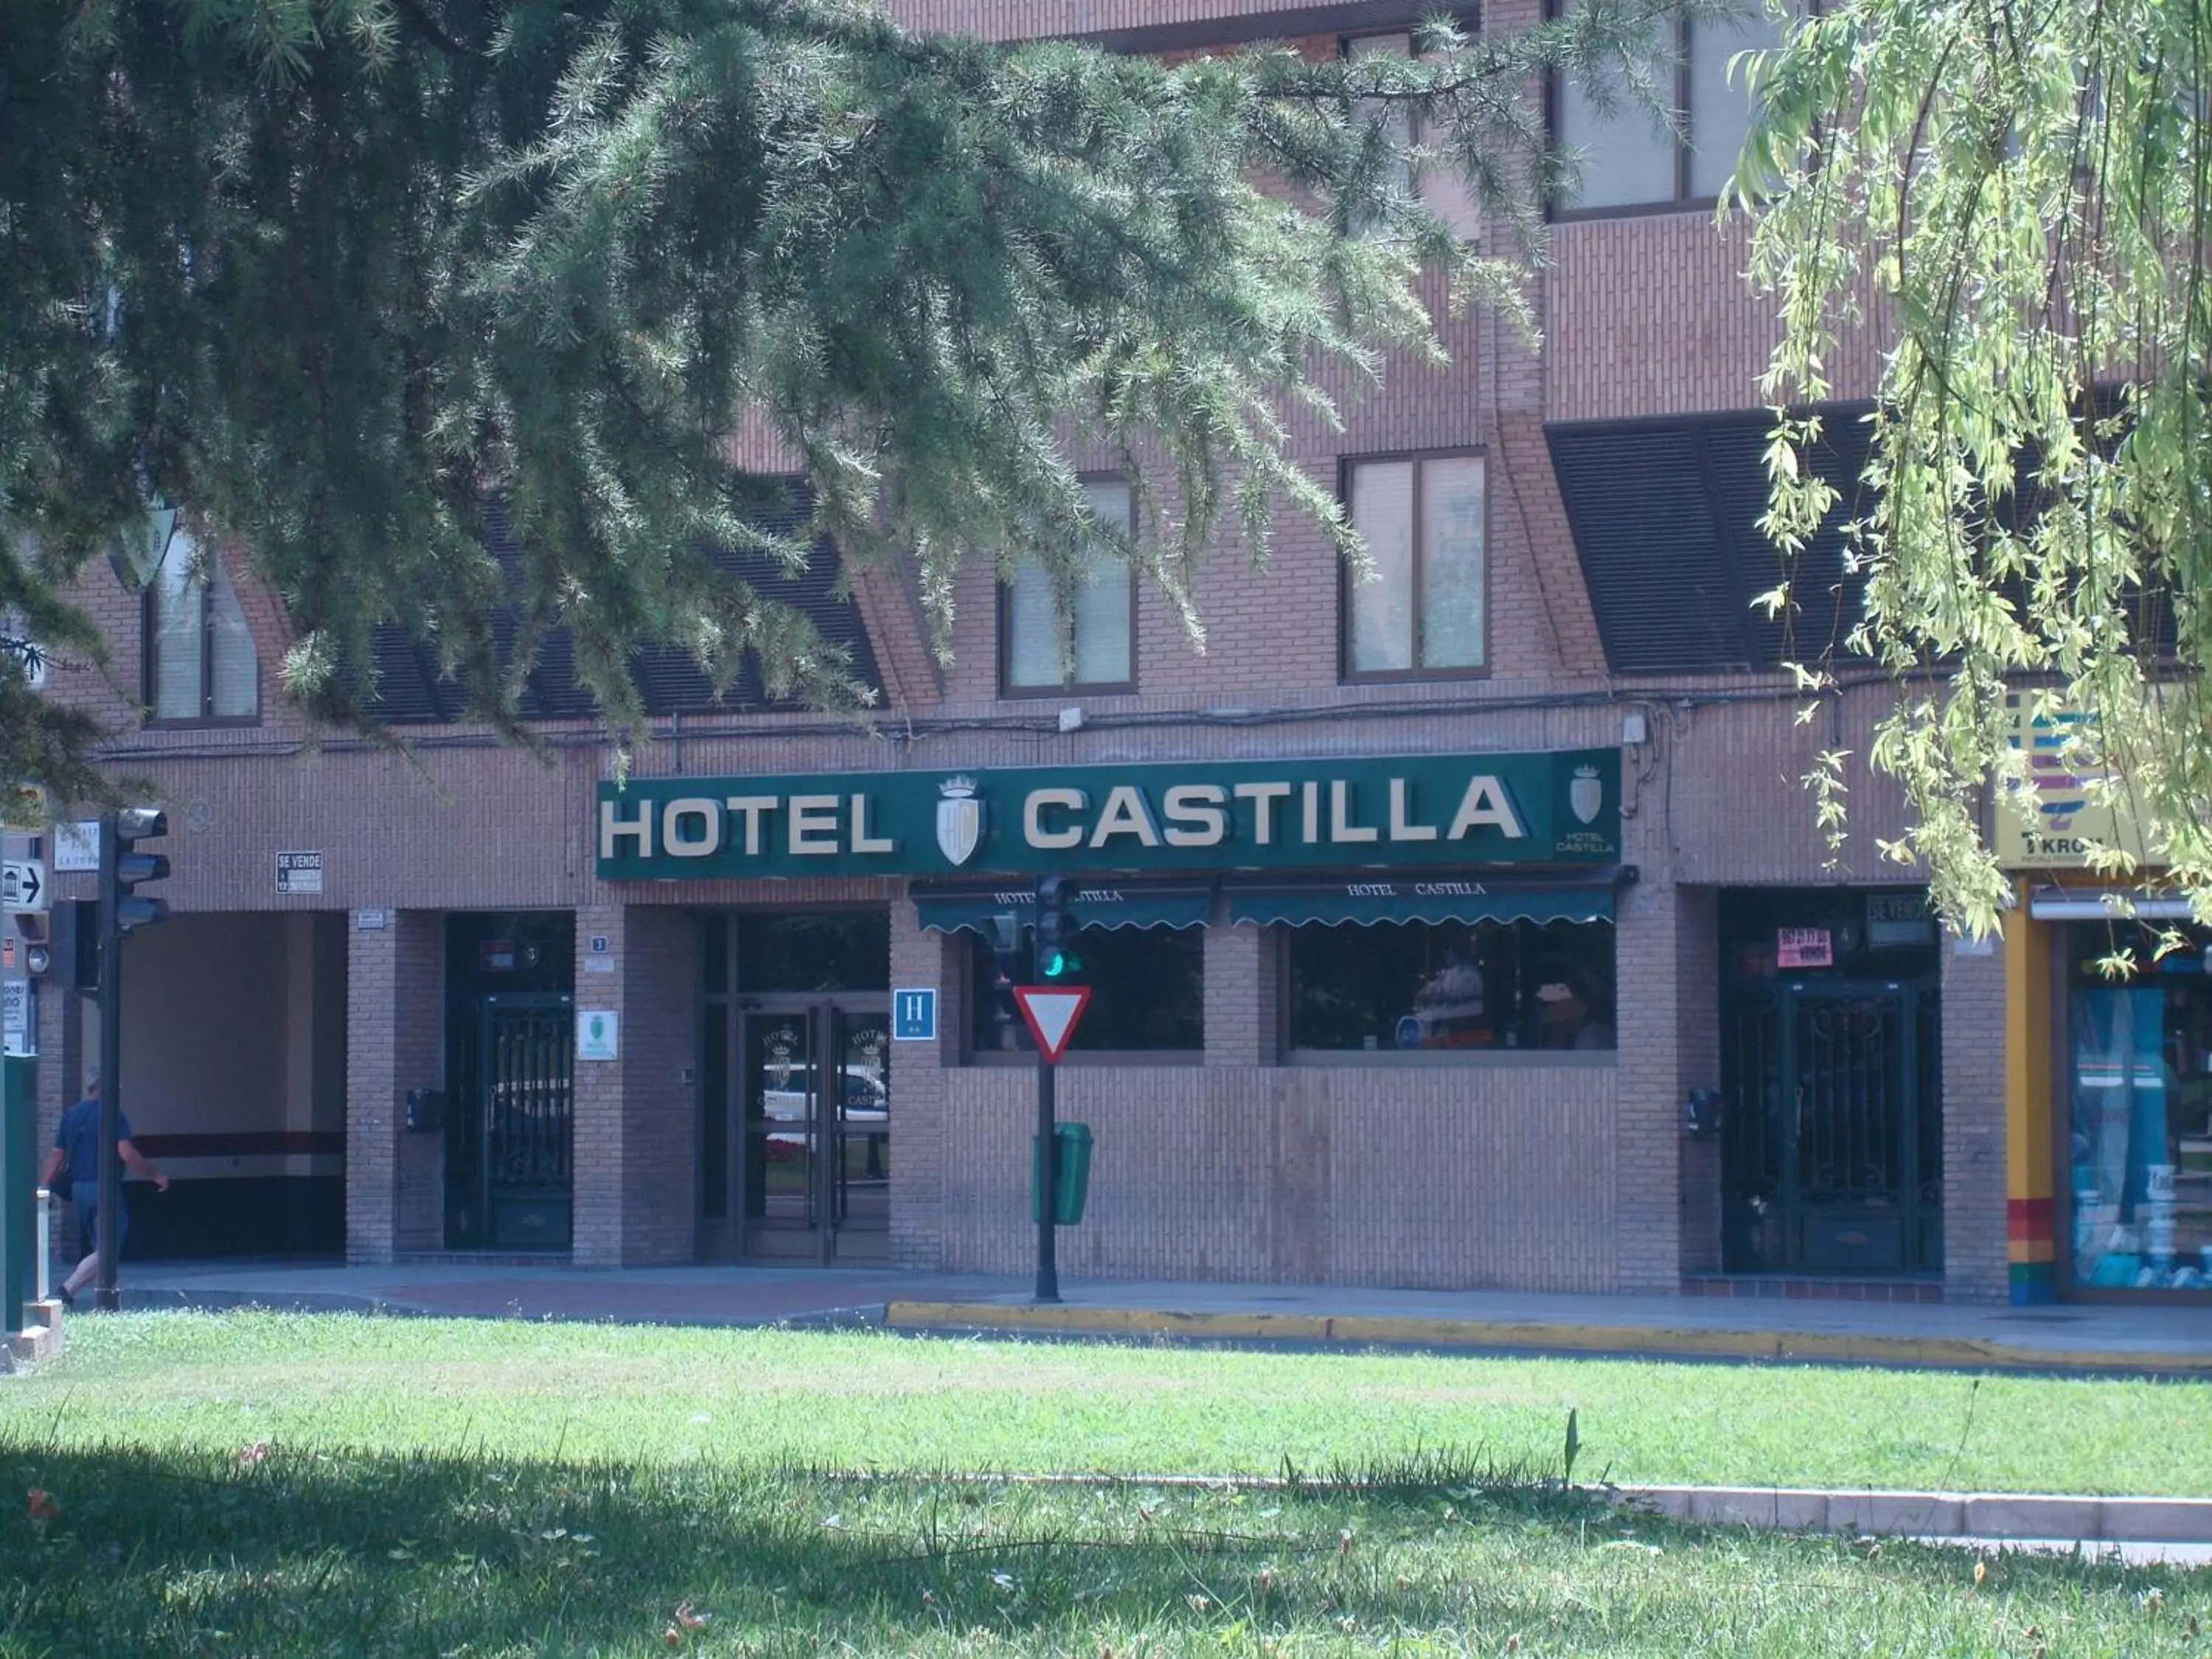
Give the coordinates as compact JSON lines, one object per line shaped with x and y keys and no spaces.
{"x":1058,"y":964}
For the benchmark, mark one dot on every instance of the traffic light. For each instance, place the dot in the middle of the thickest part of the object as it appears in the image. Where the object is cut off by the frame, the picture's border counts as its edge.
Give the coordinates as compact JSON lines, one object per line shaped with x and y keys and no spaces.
{"x":124,"y":868}
{"x":1055,"y":936}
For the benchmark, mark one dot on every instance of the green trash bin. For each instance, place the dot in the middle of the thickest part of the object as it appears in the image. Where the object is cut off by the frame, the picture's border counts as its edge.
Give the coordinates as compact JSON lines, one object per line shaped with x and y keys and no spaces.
{"x":1074,"y":1184}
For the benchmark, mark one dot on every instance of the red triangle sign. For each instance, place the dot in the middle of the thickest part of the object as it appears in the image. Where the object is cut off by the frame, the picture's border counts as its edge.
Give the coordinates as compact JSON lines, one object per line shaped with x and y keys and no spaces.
{"x":1051,"y":1013}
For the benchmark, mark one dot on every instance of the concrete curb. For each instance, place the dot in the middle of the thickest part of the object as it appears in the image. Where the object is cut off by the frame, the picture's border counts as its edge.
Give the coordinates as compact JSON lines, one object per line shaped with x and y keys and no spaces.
{"x":1543,"y":1336}
{"x":861,"y":1315}
{"x":40,"y":1338}
{"x":2041,"y":1518}
{"x":2000,"y":1516}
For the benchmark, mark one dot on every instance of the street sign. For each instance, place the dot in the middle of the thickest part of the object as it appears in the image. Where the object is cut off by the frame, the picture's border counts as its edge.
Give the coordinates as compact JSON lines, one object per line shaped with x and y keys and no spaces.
{"x":299,"y":873}
{"x":23,"y":886}
{"x":1051,"y":1013}
{"x":596,"y":1034}
{"x":913,"y":1016}
{"x":19,"y":1016}
{"x":77,"y":845}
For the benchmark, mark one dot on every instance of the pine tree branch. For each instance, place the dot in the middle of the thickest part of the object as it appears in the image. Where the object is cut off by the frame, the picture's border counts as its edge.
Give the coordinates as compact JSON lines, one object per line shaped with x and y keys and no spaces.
{"x":413,"y":10}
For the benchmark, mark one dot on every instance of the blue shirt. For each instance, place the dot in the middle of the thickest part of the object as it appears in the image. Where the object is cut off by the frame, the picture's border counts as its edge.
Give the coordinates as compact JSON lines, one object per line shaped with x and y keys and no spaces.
{"x":78,"y":1137}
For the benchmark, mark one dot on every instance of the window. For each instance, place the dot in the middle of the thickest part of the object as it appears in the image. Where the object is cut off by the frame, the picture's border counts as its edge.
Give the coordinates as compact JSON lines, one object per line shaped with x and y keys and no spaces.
{"x":200,"y":661}
{"x":1031,"y":659}
{"x":814,"y":950}
{"x":1629,"y":161}
{"x":1446,"y":193}
{"x":1147,"y":994}
{"x":1417,"y":985}
{"x":2137,"y":1109}
{"x":1422,"y":518}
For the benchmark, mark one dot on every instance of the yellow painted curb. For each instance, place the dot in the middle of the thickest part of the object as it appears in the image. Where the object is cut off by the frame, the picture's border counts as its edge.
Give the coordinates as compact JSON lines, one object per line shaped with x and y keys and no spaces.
{"x":1628,"y":1340}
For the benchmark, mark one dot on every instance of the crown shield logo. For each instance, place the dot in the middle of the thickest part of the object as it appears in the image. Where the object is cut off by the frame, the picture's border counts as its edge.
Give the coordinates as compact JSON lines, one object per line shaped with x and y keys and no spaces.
{"x":1586,"y":794}
{"x":959,"y":820}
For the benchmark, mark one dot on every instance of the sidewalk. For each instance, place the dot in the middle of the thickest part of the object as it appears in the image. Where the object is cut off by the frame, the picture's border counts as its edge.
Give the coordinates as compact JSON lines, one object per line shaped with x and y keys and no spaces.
{"x":2165,"y":1341}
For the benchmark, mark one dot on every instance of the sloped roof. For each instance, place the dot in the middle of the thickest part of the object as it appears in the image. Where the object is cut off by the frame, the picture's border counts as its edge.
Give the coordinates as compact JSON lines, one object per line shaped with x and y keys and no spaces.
{"x":411,"y":692}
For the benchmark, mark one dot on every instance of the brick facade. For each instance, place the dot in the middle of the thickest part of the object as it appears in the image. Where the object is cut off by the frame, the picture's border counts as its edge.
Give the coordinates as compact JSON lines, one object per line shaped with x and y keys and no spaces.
{"x":635,"y":1134}
{"x":395,"y":1042}
{"x":1570,"y":1174}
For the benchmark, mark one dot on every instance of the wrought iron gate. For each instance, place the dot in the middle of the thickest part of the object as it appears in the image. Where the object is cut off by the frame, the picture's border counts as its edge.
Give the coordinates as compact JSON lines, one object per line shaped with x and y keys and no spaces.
{"x":1832,"y":1136}
{"x":508,"y":1169}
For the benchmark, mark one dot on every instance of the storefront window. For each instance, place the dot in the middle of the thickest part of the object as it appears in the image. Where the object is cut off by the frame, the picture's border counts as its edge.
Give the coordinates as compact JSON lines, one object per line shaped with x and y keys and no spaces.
{"x":1391,"y":987}
{"x":2140,"y":1113}
{"x":1147,"y":994}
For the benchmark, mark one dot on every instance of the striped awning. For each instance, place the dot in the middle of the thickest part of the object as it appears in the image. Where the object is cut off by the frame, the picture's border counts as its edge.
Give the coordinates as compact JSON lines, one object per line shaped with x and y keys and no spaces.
{"x":1107,"y":904}
{"x":1440,"y":898}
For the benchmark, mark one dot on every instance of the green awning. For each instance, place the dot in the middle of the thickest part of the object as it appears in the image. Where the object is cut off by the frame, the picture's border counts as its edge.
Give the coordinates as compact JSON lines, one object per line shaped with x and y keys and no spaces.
{"x":1106,"y":905}
{"x":1465,"y":898}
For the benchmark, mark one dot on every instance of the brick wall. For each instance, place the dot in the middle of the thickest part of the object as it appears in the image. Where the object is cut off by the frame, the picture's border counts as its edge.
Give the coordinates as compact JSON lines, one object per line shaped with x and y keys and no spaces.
{"x":1697,"y":1065}
{"x":1243,"y":994}
{"x":395,"y":1042}
{"x":1974,"y":1259}
{"x":1480,"y":1176}
{"x":637,"y":1116}
{"x":919,"y":1084}
{"x":1646,"y":1206}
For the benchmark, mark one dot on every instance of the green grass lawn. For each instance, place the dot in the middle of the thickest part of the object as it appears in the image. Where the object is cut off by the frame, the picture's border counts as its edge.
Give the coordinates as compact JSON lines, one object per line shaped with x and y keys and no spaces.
{"x":276,"y":1486}
{"x":212,"y":1382}
{"x":183,"y":1553}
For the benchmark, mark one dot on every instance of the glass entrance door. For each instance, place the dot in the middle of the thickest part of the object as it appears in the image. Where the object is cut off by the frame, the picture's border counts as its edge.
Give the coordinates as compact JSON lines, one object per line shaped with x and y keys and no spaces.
{"x":815,"y":1092}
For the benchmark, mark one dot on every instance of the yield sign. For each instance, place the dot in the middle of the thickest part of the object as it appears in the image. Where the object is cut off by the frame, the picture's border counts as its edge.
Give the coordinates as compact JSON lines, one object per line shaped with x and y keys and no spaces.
{"x":1051,"y":1011}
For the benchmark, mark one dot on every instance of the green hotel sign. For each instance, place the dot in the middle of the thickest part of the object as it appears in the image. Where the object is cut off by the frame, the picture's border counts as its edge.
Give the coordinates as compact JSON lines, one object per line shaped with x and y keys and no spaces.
{"x":1422,"y":811}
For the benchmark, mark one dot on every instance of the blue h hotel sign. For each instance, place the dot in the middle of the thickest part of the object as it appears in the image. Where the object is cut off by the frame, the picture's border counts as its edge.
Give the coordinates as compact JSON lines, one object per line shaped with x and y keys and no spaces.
{"x":1420,"y":812}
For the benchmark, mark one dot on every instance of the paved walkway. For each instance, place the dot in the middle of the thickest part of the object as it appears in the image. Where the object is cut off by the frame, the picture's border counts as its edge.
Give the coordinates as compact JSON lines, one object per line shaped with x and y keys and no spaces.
{"x":2166,"y":1340}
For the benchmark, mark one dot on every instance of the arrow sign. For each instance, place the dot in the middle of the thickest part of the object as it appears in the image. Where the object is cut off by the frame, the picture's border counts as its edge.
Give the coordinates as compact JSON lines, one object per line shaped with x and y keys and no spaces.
{"x":22,"y":884}
{"x":1051,"y":1013}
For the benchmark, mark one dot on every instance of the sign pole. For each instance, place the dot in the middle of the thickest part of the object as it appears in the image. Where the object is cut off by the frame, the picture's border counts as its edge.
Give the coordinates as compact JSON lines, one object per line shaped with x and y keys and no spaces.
{"x":1051,"y":1013}
{"x":105,"y":1296}
{"x":1047,"y":1273}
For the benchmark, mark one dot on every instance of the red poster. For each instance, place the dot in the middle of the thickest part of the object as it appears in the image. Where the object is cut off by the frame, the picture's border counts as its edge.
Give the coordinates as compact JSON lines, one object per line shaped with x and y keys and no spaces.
{"x":1803,"y":947}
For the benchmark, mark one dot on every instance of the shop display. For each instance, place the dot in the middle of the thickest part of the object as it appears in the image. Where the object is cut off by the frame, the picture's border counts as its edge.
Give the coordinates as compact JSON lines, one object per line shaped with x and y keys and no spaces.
{"x":2140,"y":1141}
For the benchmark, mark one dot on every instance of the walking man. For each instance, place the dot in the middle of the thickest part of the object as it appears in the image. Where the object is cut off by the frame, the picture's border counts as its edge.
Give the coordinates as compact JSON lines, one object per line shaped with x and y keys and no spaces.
{"x":77,"y":1151}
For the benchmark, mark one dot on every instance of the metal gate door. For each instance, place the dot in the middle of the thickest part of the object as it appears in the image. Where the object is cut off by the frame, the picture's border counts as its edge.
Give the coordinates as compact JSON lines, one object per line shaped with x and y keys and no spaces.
{"x":524,"y":1124}
{"x":1832,"y":1141}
